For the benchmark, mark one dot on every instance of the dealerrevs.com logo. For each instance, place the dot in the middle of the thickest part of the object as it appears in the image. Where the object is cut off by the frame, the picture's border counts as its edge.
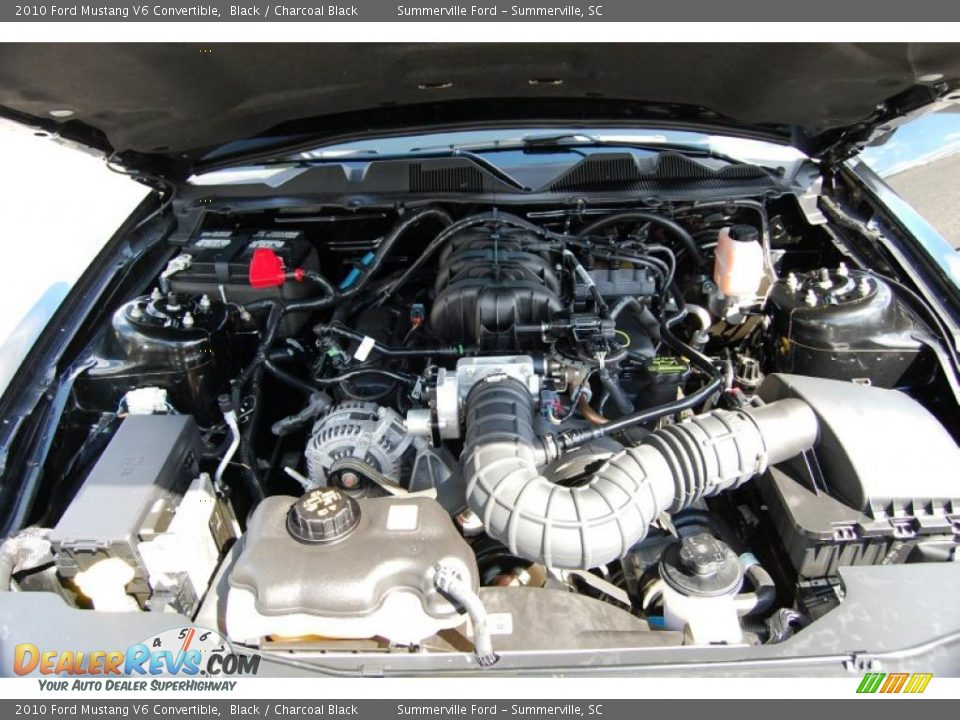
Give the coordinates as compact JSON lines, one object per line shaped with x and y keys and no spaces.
{"x":892,"y":683}
{"x":188,"y":652}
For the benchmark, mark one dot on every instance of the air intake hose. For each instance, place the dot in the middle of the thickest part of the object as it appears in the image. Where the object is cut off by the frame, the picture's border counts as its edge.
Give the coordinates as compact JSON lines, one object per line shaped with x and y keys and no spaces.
{"x":591,"y":525}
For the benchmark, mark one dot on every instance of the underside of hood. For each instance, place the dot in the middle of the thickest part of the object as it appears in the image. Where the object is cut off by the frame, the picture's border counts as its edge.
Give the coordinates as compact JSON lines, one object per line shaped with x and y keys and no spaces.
{"x":167,"y":108}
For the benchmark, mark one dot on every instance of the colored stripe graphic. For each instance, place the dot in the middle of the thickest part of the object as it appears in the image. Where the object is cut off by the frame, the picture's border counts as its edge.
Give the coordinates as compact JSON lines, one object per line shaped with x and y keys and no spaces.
{"x":871,"y":682}
{"x":918,"y":682}
{"x":894,"y":683}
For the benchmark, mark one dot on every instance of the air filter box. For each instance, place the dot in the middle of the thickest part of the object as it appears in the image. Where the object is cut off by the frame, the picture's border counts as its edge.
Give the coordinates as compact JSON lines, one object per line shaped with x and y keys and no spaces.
{"x":881,"y":481}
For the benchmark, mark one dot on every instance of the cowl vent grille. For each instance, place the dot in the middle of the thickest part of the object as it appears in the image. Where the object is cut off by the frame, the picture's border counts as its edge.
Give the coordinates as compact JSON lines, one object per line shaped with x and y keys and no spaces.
{"x":452,"y":178}
{"x":671,"y":171}
{"x":599,"y":173}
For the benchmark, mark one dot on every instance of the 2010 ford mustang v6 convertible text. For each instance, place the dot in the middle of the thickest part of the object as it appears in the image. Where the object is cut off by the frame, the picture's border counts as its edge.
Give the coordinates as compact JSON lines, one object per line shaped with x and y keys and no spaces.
{"x":496,"y":359}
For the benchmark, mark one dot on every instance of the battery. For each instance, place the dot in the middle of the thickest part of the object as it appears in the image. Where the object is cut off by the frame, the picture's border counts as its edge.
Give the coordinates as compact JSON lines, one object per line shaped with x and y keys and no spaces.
{"x":220,"y":266}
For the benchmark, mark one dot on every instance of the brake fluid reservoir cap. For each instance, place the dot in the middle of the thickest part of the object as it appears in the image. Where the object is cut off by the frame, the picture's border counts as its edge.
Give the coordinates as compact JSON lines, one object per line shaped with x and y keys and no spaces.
{"x":701,"y":565}
{"x":323,"y":515}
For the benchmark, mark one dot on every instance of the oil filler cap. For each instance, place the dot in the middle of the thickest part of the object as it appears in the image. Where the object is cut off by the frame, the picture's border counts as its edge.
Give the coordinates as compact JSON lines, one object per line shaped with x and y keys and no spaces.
{"x":323,"y":515}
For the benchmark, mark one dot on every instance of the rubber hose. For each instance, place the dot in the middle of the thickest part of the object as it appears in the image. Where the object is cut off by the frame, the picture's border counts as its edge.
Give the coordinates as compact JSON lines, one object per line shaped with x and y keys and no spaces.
{"x":318,"y":403}
{"x":279,"y":308}
{"x":449,"y":582}
{"x":249,"y":470}
{"x":325,"y":285}
{"x":340,"y":296}
{"x":623,"y":304}
{"x":589,"y":414}
{"x":578,"y":437}
{"x":638,"y":216}
{"x":761,"y":600}
{"x":289,"y":379}
{"x":388,"y":351}
{"x":357,"y":372}
{"x":598,"y":522}
{"x":612,"y":386}
{"x":643,"y":315}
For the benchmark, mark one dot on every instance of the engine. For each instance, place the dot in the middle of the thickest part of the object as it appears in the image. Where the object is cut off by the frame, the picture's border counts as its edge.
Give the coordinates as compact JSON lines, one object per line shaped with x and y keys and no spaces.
{"x":491,"y":288}
{"x":650,"y":418}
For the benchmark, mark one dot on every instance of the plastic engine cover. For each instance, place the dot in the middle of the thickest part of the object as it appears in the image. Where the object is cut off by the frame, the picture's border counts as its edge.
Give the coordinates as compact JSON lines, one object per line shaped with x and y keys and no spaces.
{"x":487,"y":285}
{"x":376,"y":580}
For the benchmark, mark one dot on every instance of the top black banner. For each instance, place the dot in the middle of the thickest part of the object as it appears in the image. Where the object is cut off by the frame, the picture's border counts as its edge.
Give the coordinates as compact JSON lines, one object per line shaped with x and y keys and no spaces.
{"x":483,"y":11}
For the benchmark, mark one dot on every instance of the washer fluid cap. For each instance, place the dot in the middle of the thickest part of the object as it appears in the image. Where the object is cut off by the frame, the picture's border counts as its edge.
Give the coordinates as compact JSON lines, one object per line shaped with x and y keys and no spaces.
{"x":323,"y":515}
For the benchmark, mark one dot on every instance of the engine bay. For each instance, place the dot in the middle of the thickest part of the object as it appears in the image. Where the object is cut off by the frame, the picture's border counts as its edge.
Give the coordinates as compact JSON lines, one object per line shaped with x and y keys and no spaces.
{"x":472,"y":428}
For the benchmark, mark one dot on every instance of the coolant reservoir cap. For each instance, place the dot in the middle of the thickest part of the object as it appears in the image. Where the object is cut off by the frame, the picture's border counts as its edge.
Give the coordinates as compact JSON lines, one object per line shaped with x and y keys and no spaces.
{"x":744,"y":233}
{"x":701,"y":565}
{"x":323,"y":515}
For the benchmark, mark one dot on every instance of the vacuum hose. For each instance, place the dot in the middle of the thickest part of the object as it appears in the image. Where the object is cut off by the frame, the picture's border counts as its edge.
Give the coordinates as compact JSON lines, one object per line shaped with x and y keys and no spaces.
{"x":598,"y":522}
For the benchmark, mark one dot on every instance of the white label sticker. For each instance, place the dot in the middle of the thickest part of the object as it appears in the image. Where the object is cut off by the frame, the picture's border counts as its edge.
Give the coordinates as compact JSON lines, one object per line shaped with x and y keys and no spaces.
{"x":403,"y":517}
{"x":211,"y":242}
{"x":269,"y":244}
{"x":366,"y":345}
{"x":500,"y":623}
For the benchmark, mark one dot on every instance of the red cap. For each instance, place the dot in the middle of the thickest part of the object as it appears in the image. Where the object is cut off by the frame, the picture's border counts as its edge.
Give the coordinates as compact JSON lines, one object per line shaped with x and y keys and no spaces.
{"x":266,"y":269}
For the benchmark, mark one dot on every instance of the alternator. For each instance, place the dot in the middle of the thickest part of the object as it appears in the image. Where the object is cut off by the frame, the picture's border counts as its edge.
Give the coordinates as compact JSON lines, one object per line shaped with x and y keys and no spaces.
{"x":365,"y":431}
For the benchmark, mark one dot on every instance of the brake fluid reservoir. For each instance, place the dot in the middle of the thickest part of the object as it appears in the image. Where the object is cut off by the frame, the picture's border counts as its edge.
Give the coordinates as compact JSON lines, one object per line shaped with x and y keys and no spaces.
{"x":738,"y":267}
{"x":701,"y":577}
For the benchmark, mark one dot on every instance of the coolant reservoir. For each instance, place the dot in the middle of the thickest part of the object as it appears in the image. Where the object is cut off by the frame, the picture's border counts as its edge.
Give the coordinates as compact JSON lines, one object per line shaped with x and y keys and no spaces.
{"x":738,"y":268}
{"x":333,"y":566}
